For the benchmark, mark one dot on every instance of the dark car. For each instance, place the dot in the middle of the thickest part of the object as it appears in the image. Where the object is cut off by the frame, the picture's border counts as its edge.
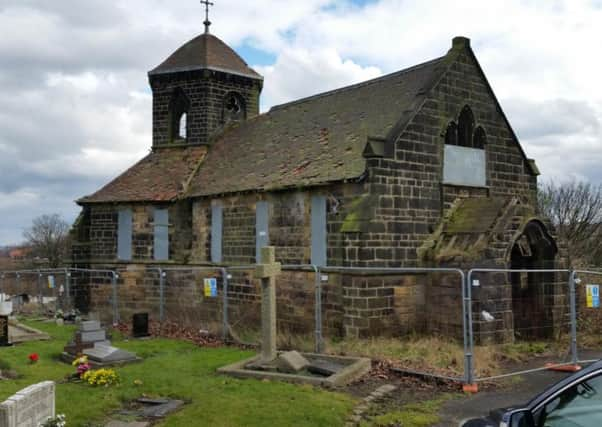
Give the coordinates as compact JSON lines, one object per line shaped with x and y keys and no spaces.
{"x":575,"y":401}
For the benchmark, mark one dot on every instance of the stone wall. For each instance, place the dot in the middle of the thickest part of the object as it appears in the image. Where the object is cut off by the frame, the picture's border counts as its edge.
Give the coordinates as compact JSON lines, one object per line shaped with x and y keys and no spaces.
{"x":206,"y":90}
{"x":100,"y":245}
{"x":376,"y":304}
{"x":289,"y":226}
{"x":103,"y":232}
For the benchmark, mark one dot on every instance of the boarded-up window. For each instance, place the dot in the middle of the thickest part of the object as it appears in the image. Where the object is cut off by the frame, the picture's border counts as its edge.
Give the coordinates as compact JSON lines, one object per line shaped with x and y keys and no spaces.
{"x":318,"y":230}
{"x":161,"y":244}
{"x":262,"y":237}
{"x":216,"y":232}
{"x":464,"y":166}
{"x":124,"y":235}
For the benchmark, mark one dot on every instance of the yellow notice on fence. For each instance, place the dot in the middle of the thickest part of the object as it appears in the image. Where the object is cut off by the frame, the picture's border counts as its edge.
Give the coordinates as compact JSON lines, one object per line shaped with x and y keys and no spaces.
{"x":592,"y":296}
{"x":210,"y":286}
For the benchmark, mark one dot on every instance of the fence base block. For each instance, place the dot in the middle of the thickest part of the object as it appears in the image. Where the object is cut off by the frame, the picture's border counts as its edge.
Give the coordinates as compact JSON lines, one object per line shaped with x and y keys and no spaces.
{"x":470,"y":388}
{"x":563,"y":368}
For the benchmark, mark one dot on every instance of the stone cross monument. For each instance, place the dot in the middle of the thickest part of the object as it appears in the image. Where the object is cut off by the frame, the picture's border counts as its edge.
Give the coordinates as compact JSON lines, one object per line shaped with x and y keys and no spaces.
{"x":267,"y":272}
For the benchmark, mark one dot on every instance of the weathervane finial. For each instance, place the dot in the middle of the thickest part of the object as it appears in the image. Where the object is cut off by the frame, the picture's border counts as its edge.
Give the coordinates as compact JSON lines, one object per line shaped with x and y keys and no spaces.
{"x":207,"y":22}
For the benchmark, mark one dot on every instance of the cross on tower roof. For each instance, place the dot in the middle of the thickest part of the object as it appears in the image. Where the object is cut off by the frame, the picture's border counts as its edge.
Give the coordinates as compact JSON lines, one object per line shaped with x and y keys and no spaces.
{"x":207,"y":22}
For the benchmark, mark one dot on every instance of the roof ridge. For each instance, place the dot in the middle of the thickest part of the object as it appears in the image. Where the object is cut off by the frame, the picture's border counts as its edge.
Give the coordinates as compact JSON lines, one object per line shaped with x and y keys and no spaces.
{"x":356,"y":85}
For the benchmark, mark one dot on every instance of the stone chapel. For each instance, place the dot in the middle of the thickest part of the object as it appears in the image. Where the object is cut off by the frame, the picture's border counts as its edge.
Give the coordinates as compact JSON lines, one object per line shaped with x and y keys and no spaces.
{"x":419,"y":167}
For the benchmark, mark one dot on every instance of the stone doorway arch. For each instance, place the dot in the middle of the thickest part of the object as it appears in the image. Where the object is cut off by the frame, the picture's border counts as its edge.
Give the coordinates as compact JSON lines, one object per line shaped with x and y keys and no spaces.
{"x":533,"y":299}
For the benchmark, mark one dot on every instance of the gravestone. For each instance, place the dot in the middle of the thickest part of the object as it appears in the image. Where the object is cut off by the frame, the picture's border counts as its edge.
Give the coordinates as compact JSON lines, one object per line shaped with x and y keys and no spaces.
{"x":107,"y":355}
{"x":4,"y":340}
{"x":91,"y":340}
{"x":140,"y":325}
{"x":29,"y":407}
{"x":90,"y":332}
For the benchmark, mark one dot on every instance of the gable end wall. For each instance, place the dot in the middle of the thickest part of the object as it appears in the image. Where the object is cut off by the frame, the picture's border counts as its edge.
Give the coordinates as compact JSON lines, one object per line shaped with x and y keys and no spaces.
{"x":411,"y":196}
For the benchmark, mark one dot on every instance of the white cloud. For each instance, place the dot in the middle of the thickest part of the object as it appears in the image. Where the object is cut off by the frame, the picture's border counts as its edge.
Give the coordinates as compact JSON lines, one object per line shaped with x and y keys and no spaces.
{"x":301,"y":72}
{"x":75,"y":108}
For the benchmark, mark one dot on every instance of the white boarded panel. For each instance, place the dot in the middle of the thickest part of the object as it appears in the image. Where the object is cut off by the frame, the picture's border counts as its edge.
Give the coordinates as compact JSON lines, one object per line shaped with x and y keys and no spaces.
{"x":161,"y":244}
{"x":262,"y":236}
{"x":464,"y":166}
{"x":318,"y":230}
{"x":124,"y":235}
{"x":217,"y":213}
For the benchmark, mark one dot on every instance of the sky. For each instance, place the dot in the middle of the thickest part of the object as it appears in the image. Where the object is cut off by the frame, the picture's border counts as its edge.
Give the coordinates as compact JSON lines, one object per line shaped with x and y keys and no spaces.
{"x":75,"y":105}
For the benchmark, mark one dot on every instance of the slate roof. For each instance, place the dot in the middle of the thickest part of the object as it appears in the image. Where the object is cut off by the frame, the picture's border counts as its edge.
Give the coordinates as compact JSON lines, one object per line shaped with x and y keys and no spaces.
{"x":314,"y":140}
{"x":161,"y":176}
{"x":205,"y":52}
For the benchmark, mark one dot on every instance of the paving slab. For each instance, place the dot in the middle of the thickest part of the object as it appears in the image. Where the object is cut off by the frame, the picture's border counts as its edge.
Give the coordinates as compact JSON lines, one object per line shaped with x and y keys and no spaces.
{"x":19,"y":333}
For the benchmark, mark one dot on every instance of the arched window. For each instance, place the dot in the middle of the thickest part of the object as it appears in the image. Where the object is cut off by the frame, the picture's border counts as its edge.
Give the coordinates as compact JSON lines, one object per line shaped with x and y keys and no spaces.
{"x":479,"y":139}
{"x":451,"y":134}
{"x":464,"y":161}
{"x":234,"y":108}
{"x":183,"y":126}
{"x":178,"y":113}
{"x":465,"y":127}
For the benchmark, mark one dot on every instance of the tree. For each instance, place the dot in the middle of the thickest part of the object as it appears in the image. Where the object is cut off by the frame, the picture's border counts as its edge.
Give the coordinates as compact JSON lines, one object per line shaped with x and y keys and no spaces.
{"x":575,"y":209}
{"x":48,"y":237}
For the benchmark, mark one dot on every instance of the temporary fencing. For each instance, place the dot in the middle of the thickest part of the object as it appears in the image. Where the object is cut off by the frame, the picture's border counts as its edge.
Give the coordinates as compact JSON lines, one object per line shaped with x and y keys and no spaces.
{"x":502,"y":314}
{"x":194,"y":297}
{"x":520,"y":319}
{"x":400,"y":304}
{"x":48,"y":288}
{"x":585,"y":305}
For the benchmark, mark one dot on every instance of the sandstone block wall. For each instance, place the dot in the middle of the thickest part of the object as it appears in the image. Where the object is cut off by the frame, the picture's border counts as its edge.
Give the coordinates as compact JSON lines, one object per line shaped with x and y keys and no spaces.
{"x":206,"y":90}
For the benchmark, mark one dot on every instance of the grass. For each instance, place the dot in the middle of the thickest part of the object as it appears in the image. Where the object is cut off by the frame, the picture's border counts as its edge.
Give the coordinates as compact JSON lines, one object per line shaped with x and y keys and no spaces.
{"x":428,"y":353}
{"x":422,"y":414}
{"x":445,"y":355}
{"x":175,"y":369}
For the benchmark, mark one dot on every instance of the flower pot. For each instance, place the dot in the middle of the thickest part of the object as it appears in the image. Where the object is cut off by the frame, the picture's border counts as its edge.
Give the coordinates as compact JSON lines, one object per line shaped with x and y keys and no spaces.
{"x":6,"y":308}
{"x":60,"y":321}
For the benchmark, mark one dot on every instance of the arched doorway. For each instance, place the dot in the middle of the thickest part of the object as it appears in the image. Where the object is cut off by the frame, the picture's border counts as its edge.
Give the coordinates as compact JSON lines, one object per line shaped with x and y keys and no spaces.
{"x":531,"y":306}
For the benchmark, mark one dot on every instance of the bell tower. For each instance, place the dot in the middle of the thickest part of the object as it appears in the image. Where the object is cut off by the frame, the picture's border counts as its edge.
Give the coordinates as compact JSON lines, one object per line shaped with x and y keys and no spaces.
{"x":200,"y":88}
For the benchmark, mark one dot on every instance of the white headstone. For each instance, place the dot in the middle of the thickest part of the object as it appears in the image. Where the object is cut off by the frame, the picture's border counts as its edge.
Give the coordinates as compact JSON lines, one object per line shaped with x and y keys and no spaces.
{"x":90,"y":325}
{"x":29,"y":407}
{"x":94,"y":336}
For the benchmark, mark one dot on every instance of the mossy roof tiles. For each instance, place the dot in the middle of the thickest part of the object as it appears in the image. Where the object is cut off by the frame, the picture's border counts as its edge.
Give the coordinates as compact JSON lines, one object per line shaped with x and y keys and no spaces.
{"x":314,"y":140}
{"x":161,"y":176}
{"x":475,"y":215}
